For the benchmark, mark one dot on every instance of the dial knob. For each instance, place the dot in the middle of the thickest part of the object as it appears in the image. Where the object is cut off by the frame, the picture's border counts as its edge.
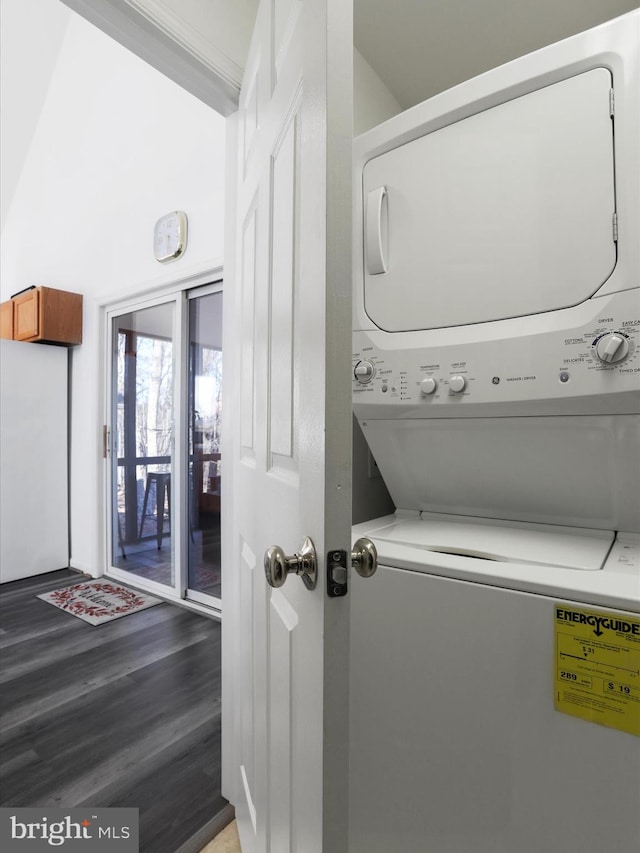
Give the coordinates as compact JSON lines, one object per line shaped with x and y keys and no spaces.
{"x":428,"y":386}
{"x":457,"y":384}
{"x":612,"y":347}
{"x":364,"y":371}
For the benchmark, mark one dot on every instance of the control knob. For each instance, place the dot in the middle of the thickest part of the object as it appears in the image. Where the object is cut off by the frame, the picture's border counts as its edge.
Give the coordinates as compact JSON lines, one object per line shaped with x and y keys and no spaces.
{"x":364,"y":371}
{"x":457,"y":384}
{"x":428,"y":386}
{"x":612,"y":348}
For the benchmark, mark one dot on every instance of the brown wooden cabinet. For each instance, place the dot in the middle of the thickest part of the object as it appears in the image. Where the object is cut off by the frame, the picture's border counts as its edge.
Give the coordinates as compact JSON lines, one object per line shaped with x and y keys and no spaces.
{"x":6,"y":320}
{"x":46,"y":315}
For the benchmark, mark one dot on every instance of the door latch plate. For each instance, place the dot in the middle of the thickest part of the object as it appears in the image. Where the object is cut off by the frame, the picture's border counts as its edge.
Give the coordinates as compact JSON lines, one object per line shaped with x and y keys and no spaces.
{"x":337,"y":574}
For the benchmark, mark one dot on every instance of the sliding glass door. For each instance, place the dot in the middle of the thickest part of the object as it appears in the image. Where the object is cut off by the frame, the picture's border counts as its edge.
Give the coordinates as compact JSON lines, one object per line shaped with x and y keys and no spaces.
{"x":205,"y":463}
{"x":142,"y":443}
{"x":165,"y":462}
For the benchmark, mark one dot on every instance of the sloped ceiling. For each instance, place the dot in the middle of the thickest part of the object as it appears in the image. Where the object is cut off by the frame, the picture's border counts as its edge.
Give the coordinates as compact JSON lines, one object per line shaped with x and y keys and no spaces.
{"x":422,"y":47}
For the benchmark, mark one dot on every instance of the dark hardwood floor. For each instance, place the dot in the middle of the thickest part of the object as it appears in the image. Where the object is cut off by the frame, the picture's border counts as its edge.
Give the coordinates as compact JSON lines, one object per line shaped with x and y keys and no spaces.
{"x":123,"y":714}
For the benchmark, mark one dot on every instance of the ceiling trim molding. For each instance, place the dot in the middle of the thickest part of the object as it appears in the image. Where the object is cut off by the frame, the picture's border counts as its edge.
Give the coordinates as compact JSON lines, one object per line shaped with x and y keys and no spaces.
{"x":170,"y":44}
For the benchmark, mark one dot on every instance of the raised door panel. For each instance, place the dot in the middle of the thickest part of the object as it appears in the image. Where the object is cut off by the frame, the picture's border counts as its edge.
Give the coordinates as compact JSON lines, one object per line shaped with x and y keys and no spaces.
{"x":26,"y":319}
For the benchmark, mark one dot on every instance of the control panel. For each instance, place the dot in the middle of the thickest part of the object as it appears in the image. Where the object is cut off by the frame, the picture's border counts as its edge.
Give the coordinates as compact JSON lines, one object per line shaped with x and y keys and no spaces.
{"x":600,"y":358}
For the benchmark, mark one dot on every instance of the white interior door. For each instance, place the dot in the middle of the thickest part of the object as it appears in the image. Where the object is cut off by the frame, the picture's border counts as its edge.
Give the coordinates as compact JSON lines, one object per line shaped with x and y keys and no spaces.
{"x":287,"y":456}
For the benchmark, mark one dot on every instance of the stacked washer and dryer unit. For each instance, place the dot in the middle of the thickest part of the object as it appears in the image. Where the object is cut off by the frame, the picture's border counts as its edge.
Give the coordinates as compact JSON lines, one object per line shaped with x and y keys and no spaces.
{"x":495,"y":654}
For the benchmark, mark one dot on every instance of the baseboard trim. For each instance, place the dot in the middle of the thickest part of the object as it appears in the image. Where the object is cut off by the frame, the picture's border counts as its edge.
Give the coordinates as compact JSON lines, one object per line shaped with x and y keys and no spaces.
{"x":86,"y":570}
{"x":209,"y":831}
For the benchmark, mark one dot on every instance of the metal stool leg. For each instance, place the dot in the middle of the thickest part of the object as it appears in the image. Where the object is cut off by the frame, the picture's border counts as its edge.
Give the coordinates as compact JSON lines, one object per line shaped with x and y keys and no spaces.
{"x":120,"y":541}
{"x":144,"y":505}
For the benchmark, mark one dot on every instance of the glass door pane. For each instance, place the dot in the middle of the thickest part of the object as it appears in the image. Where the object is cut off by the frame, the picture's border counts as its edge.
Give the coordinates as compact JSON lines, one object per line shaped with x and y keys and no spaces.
{"x":204,"y":417}
{"x":142,"y":445}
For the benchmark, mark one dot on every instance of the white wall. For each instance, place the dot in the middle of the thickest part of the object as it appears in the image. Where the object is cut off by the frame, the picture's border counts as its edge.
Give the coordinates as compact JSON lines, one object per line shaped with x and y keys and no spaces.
{"x":373,"y":103}
{"x":27,"y":59}
{"x":117,"y":145}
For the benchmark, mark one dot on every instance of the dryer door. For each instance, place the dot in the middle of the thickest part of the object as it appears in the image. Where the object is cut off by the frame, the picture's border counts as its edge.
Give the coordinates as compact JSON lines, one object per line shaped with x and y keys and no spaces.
{"x":502,"y":214}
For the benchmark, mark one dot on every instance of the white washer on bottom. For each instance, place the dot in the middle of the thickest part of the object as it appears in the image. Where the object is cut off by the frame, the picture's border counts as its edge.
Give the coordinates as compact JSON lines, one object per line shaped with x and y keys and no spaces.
{"x":456,"y":745}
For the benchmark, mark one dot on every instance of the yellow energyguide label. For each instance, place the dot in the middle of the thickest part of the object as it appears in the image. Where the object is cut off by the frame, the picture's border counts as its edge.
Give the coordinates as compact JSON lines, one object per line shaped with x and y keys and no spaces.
{"x":597,"y":667}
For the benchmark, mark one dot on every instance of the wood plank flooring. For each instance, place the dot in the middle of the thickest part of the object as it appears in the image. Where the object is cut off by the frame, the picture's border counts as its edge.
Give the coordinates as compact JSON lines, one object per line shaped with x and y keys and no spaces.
{"x":123,"y":714}
{"x":144,"y":559}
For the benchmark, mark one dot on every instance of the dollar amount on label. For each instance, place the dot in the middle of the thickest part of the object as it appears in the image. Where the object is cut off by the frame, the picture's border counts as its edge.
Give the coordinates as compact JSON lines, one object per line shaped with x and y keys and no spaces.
{"x":622,"y":690}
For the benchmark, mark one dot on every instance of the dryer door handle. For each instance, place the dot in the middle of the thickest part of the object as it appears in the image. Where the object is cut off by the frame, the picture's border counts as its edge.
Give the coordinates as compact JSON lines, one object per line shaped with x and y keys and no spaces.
{"x":376,"y":231}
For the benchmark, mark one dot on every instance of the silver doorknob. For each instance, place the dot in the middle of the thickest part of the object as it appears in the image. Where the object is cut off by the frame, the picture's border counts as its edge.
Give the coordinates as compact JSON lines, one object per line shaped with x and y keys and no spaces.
{"x":277,"y":565}
{"x":364,"y":557}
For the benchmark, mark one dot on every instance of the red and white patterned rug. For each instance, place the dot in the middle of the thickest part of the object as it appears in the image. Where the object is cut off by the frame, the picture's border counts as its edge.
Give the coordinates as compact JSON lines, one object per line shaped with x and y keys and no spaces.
{"x":99,"y":601}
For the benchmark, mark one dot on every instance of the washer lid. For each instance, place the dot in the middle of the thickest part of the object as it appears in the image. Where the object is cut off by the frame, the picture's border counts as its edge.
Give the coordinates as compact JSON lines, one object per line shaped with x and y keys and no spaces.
{"x":504,"y":542}
{"x":506,"y":213}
